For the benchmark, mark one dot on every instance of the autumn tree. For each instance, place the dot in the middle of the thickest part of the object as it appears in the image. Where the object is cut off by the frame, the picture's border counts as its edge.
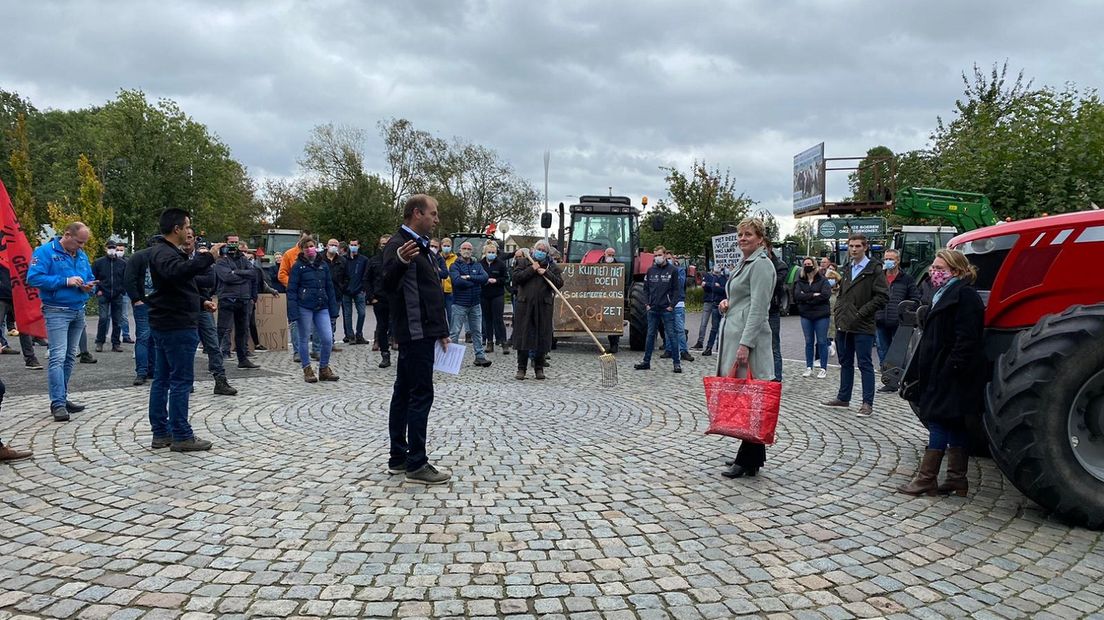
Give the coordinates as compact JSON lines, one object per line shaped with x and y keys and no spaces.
{"x":699,"y":204}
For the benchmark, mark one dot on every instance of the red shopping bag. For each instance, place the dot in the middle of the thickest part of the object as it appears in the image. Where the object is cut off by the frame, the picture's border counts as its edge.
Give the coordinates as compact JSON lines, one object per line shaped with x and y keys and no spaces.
{"x":743,"y":408}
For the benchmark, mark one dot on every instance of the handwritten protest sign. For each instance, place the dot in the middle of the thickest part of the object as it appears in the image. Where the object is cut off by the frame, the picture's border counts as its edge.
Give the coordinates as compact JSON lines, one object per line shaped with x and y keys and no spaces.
{"x":598,"y":294}
{"x":726,"y":250}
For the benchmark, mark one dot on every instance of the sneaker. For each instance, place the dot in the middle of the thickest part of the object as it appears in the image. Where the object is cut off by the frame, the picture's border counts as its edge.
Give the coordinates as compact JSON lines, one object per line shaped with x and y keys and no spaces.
{"x":385,"y":360}
{"x":642,"y":366}
{"x":33,"y":364}
{"x":832,"y":350}
{"x":315,"y":356}
{"x":128,"y":340}
{"x":808,"y":372}
{"x":429,"y":475}
{"x":139,"y":380}
{"x":116,"y":348}
{"x":885,"y":389}
{"x":8,"y":351}
{"x":99,"y":348}
{"x":248,"y":365}
{"x":190,"y":445}
{"x":7,"y":453}
{"x":678,"y":370}
{"x":73,"y":407}
{"x":707,"y":352}
{"x":86,"y":358}
{"x":835,"y":402}
{"x":223,"y":388}
{"x":61,"y":414}
{"x":865,"y":411}
{"x":665,"y":356}
{"x":260,"y":347}
{"x":296,"y":359}
{"x":335,"y":349}
{"x":698,"y":345}
{"x":161,"y":442}
{"x":822,"y":374}
{"x":482,"y":362}
{"x":396,"y":470}
{"x":361,"y":340}
{"x":686,"y":357}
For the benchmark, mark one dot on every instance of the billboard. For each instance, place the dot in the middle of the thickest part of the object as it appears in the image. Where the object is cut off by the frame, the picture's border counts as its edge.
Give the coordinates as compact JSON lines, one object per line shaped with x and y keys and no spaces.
{"x":808,"y":180}
{"x":843,"y":227}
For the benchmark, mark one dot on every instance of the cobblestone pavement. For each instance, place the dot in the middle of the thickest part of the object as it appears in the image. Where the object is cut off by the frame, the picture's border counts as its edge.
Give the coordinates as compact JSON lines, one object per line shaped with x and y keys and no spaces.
{"x":567,"y":501}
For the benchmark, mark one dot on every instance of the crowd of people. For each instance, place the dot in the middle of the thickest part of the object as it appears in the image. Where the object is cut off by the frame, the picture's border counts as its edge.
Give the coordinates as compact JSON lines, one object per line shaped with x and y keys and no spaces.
{"x":424,"y":296}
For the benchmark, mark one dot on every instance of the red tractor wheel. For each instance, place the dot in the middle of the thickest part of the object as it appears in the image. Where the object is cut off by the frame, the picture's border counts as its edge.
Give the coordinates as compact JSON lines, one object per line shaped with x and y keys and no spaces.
{"x":1045,"y":414}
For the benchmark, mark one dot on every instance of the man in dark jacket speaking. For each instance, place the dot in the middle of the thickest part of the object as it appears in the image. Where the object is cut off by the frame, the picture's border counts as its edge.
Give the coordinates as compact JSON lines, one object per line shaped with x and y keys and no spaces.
{"x":174,"y":309}
{"x":412,"y":283}
{"x":863,"y":291}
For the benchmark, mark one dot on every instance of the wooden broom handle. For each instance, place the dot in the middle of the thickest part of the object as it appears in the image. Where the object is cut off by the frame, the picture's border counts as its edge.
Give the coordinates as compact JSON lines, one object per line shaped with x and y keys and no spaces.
{"x":567,"y":303}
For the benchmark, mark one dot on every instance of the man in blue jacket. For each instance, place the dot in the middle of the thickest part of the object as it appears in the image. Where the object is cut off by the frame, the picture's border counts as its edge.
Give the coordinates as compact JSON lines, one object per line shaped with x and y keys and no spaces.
{"x":713,"y":291}
{"x":660,"y":284}
{"x":353,"y":294}
{"x":63,"y":276}
{"x":108,"y":272}
{"x":468,"y":278}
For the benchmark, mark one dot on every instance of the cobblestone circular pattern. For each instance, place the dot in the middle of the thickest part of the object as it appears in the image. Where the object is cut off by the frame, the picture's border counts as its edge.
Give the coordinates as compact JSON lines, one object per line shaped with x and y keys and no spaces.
{"x":567,"y":500}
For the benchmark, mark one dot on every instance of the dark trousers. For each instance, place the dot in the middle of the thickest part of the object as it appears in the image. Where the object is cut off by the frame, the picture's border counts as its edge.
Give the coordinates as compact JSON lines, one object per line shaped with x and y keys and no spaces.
{"x":410,"y":403}
{"x":523,"y":356}
{"x":751,"y":455}
{"x":494,"y":326}
{"x":7,"y":309}
{"x":173,"y":374}
{"x":383,"y":325}
{"x":208,"y":335}
{"x":253,"y":323}
{"x":110,"y":310}
{"x":884,"y":334}
{"x":943,"y":436}
{"x":850,"y":345}
{"x":234,"y":313}
{"x":775,"y":321}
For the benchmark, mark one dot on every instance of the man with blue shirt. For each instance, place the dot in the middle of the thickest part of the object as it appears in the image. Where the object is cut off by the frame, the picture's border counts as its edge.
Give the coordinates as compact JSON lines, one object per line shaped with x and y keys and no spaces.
{"x":63,"y":276}
{"x":863,"y":291}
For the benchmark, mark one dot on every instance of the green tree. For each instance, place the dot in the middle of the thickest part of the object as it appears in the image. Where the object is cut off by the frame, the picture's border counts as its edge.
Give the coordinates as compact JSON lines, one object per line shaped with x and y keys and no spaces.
{"x":22,"y":194}
{"x":93,"y":213}
{"x":873,"y":181}
{"x":705,"y":201}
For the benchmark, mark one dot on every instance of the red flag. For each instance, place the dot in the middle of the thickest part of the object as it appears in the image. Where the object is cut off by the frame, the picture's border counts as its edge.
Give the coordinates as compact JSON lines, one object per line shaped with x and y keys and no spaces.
{"x":15,"y":255}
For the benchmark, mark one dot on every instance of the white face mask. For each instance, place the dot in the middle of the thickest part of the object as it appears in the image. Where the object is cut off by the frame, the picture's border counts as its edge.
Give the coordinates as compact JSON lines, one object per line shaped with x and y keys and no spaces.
{"x":332,"y":249}
{"x":610,"y":259}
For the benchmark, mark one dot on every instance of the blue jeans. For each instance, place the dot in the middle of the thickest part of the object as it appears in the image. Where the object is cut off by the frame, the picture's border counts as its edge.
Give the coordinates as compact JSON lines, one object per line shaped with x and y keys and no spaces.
{"x":110,"y":310}
{"x":347,"y":303}
{"x":816,"y":329}
{"x":470,"y":318}
{"x":64,"y":327}
{"x":126,"y":316}
{"x":448,"y":310}
{"x":670,"y":343}
{"x":775,"y":321}
{"x":941,"y":437}
{"x":848,"y":346}
{"x":884,"y":334}
{"x":208,"y":335}
{"x":141,"y":340}
{"x":320,"y":320}
{"x":710,"y":313}
{"x":173,"y":374}
{"x":680,"y":328}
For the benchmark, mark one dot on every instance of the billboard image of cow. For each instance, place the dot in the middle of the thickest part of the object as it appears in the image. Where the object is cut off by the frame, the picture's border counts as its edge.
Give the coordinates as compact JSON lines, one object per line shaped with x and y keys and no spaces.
{"x":808,"y":180}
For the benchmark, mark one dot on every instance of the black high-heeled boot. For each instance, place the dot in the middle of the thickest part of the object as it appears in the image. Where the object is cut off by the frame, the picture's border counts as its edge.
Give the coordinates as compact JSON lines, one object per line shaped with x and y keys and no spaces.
{"x":739,"y":471}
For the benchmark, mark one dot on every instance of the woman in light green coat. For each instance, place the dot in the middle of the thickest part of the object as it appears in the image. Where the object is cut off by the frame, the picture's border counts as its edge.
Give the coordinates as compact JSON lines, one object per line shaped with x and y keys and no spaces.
{"x":745,"y":332}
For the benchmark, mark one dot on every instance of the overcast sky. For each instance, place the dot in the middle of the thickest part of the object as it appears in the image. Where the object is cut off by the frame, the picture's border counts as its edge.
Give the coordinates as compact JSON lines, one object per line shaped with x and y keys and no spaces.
{"x":614,"y":90}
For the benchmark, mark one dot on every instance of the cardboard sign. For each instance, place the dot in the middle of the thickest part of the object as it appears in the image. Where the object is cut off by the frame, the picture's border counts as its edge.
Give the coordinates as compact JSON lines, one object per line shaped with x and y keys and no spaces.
{"x":272,"y":324}
{"x":597,"y":292}
{"x":726,"y":250}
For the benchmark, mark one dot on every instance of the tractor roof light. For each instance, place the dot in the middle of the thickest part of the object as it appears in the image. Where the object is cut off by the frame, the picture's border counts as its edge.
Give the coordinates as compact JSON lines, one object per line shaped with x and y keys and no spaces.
{"x":990,"y":244}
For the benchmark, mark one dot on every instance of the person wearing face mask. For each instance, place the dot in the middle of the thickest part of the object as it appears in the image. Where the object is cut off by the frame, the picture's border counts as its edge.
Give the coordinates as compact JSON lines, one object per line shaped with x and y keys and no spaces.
{"x":713,"y":291}
{"x":234,"y":282}
{"x":661,"y":289}
{"x":901,"y":288}
{"x":609,"y":257}
{"x":353,"y":294}
{"x":336,"y":263}
{"x":946,"y":378}
{"x":446,"y":281}
{"x":468,"y":278}
{"x":533,"y":315}
{"x":494,"y":299}
{"x":108,"y":271}
{"x":813,"y":294}
{"x":833,"y":278}
{"x":312,"y":301}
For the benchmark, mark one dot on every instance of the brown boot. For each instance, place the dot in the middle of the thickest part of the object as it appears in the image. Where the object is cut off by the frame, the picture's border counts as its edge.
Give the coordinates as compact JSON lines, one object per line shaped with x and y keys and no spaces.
{"x":925,"y":481}
{"x":308,"y":375}
{"x":957,"y":463}
{"x":325,"y":374}
{"x":7,"y":453}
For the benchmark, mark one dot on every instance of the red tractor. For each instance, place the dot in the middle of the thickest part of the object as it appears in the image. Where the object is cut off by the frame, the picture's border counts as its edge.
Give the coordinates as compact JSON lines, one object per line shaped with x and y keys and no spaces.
{"x":1044,"y":323}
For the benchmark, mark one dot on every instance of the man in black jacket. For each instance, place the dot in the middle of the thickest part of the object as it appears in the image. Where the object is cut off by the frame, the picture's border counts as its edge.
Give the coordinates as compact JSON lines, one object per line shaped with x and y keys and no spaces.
{"x":175,"y":306}
{"x":901,"y":288}
{"x":108,"y":271}
{"x":139,"y":285}
{"x":208,"y":333}
{"x":373,"y":292}
{"x":661,"y":289}
{"x":234,"y":278}
{"x":336,"y":262}
{"x":412,"y":283}
{"x":863,"y":291}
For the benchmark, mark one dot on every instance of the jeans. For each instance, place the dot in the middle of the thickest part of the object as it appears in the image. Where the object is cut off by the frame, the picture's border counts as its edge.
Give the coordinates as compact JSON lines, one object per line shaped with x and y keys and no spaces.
{"x":347,"y":303}
{"x":448,"y":310}
{"x":383,"y":325}
{"x":64,"y":327}
{"x":26,"y":345}
{"x":253,"y":323}
{"x":941,"y":437}
{"x":775,"y":321}
{"x":411,"y":399}
{"x":471,"y":319}
{"x":141,"y":340}
{"x":208,"y":335}
{"x":320,"y":321}
{"x":848,"y":346}
{"x":884,"y":334}
{"x":126,"y":316}
{"x":494,"y":327}
{"x":710,"y":314}
{"x":816,"y":329}
{"x":680,"y":329}
{"x":656,"y":316}
{"x":234,"y":313}
{"x":173,"y":374}
{"x":293,"y":331}
{"x":110,"y":310}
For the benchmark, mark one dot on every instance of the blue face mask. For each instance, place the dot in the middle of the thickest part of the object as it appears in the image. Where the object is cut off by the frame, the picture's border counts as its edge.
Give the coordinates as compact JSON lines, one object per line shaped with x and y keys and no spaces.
{"x":540,"y":254}
{"x":353,"y":249}
{"x":831,"y":281}
{"x":491,"y":257}
{"x":890,"y":263}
